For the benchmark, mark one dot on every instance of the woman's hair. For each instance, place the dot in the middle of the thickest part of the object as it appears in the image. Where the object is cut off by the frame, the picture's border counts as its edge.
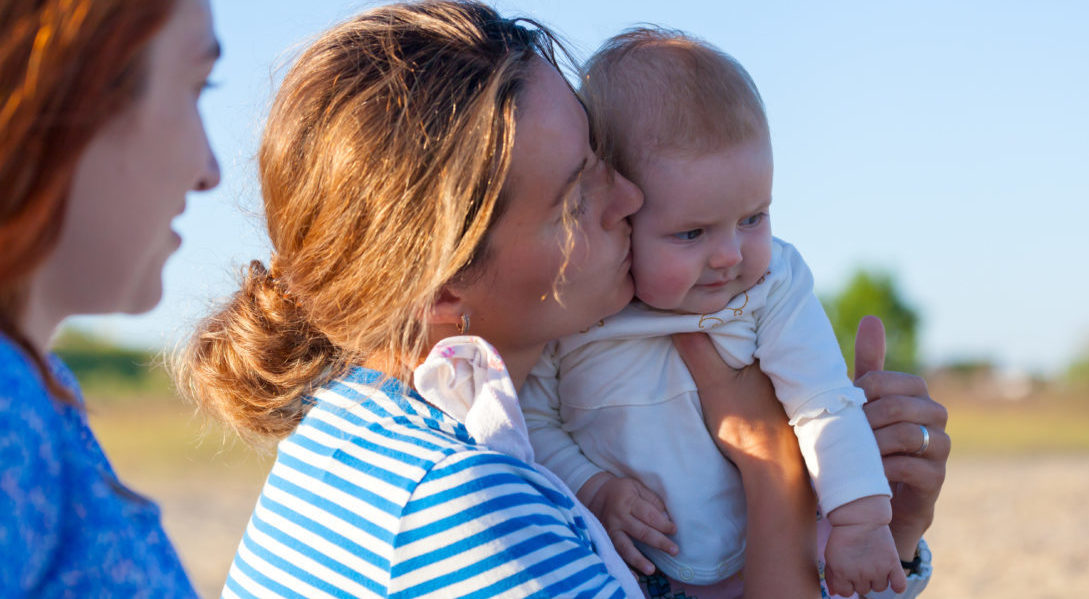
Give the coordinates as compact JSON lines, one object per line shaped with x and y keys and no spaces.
{"x":381,"y":168}
{"x":66,"y":68}
{"x":652,"y":90}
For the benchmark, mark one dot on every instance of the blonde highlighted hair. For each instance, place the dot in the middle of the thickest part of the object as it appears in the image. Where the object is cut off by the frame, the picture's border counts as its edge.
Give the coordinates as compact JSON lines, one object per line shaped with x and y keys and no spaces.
{"x":381,"y":170}
{"x":653,"y":90}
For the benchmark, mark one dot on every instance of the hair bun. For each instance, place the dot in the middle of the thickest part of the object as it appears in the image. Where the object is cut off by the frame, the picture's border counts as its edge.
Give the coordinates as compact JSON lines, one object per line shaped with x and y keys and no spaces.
{"x":252,"y":363}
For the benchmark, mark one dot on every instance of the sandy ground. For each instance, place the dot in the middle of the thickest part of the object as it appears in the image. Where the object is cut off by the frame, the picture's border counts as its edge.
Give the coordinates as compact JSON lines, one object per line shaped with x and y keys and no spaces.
{"x":206,"y":526}
{"x":1011,"y":527}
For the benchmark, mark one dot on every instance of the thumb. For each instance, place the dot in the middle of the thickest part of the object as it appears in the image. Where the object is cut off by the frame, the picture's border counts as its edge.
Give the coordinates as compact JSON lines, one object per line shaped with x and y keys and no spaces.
{"x":869,"y":346}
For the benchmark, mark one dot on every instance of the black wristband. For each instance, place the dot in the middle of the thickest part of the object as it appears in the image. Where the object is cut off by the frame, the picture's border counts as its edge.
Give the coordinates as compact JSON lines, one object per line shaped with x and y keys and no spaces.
{"x":913,"y":566}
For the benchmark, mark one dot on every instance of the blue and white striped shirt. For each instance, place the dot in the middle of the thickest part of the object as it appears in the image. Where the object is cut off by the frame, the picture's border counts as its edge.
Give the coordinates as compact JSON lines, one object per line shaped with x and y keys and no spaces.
{"x":378,"y":494}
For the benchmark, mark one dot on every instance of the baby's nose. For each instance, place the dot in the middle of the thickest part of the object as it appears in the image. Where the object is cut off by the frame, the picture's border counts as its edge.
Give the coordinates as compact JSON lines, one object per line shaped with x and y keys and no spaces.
{"x":726,"y":254}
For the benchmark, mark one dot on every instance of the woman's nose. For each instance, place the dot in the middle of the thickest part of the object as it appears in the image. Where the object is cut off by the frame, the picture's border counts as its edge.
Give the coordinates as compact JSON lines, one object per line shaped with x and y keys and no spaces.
{"x":625,"y":199}
{"x":209,"y":174}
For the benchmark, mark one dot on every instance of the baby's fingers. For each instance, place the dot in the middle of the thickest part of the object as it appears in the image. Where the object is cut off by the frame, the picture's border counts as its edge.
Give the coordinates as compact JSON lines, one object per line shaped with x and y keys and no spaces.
{"x":652,"y":510}
{"x":837,"y":584}
{"x":898,"y":580}
{"x":650,"y":497}
{"x":878,"y":579}
{"x":626,"y":549}
{"x":650,"y":527}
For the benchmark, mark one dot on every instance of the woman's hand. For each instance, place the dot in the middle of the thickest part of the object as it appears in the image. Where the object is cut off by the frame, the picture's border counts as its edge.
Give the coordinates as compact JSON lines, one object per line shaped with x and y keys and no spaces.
{"x":750,"y":427}
{"x":899,"y":407}
{"x":739,"y":407}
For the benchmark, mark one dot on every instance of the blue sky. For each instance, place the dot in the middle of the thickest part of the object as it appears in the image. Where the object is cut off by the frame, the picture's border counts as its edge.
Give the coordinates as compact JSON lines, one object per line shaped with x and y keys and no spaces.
{"x":946,"y":142}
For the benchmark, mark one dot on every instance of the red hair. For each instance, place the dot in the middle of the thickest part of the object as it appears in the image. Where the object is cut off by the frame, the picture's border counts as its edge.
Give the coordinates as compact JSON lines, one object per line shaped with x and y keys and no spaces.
{"x":66,"y":68}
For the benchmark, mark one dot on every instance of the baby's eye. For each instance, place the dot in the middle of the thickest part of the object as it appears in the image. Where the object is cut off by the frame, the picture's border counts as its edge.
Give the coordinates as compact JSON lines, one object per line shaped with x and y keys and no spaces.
{"x":752,"y":220}
{"x":688,"y":235}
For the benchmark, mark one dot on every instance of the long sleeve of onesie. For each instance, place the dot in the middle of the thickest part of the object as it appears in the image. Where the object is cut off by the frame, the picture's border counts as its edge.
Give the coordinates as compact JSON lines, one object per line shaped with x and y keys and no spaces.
{"x":797,"y":349}
{"x":554,"y":447}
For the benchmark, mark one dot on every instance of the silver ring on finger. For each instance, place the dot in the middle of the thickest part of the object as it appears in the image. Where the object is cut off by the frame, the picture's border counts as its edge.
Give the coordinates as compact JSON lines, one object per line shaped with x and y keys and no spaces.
{"x":925,"y":444}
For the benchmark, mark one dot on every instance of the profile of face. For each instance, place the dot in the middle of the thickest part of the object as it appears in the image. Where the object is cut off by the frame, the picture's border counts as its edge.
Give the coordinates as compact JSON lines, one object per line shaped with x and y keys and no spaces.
{"x":554,"y":177}
{"x":132,"y":180}
{"x":704,"y":234}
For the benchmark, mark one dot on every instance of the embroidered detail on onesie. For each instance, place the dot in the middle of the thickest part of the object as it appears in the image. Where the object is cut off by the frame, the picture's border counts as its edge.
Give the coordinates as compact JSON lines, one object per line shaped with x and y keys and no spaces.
{"x":600,"y":323}
{"x":738,"y":311}
{"x":706,"y":318}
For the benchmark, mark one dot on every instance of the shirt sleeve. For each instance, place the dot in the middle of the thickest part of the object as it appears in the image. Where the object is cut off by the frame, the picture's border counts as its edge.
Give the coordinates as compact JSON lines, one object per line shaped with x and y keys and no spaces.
{"x":842,"y":457}
{"x":31,"y":484}
{"x":798,"y":350}
{"x":482,"y":524}
{"x":553,"y":447}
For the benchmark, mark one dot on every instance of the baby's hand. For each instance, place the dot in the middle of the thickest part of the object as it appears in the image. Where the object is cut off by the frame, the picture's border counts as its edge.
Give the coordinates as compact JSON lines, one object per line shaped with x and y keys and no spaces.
{"x":628,"y":510}
{"x":861,"y":556}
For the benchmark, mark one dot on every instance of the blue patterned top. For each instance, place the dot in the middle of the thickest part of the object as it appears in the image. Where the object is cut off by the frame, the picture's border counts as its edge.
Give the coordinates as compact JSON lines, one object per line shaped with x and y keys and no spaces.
{"x":68,"y":527}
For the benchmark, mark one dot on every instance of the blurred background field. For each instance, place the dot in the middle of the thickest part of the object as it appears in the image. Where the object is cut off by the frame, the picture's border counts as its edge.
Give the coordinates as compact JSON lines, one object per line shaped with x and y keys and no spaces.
{"x":1011,"y":521}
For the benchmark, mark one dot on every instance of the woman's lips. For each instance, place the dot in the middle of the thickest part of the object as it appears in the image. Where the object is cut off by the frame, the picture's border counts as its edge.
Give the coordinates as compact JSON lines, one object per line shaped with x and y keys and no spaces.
{"x":625,"y":262}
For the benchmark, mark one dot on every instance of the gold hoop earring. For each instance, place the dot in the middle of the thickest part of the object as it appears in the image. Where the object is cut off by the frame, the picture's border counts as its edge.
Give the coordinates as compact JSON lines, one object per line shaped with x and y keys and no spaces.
{"x":463,"y":324}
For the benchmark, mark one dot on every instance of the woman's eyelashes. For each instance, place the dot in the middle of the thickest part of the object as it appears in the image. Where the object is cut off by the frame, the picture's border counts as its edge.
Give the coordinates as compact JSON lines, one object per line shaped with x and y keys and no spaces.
{"x":577,"y":207}
{"x":590,"y":183}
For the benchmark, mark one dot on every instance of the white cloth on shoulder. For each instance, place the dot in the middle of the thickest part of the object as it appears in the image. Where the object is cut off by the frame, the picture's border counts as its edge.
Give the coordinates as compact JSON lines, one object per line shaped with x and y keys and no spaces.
{"x":465,"y":377}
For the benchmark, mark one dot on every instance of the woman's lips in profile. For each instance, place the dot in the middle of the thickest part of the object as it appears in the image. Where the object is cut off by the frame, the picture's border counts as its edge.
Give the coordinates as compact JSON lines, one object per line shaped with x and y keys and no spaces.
{"x":173,"y":232}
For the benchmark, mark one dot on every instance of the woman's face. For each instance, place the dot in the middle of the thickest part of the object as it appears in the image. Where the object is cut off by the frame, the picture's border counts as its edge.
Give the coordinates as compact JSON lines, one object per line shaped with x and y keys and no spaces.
{"x":132,"y":180}
{"x":554,"y":174}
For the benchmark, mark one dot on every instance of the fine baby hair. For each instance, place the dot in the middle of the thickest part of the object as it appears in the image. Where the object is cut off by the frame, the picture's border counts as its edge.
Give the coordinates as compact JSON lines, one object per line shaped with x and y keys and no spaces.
{"x":652,"y":89}
{"x":685,"y":122}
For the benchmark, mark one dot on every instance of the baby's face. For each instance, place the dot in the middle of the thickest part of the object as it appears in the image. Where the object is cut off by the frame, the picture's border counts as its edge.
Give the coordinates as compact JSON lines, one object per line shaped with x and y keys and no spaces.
{"x":703,"y":235}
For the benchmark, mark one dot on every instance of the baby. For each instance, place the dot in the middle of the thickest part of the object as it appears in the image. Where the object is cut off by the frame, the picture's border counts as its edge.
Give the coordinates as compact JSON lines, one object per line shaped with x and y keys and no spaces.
{"x":685,"y":123}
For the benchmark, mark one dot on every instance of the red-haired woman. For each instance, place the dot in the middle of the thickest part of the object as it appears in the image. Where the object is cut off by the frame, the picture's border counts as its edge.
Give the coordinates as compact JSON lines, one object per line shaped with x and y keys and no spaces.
{"x":101,"y":141}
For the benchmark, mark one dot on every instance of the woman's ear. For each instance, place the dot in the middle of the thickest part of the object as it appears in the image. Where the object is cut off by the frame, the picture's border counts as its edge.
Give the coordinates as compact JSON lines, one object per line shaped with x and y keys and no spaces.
{"x":448,"y":308}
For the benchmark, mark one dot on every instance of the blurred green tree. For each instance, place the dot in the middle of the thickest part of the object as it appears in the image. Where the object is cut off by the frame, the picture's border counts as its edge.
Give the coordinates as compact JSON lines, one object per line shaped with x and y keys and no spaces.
{"x":1078,"y":371}
{"x":105,"y":369}
{"x":875,"y":292}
